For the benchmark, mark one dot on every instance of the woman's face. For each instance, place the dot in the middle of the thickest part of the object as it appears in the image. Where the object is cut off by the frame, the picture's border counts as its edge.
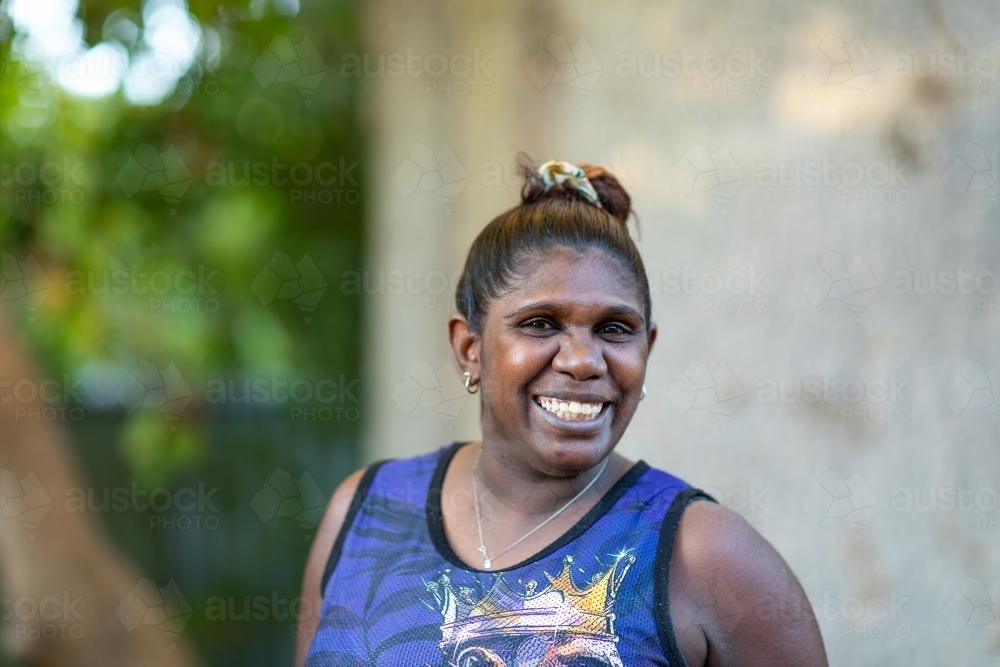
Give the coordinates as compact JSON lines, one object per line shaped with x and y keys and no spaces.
{"x":562,"y":358}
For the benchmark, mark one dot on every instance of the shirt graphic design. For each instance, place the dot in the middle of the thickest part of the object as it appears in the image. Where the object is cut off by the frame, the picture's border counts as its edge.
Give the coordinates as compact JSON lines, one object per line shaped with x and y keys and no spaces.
{"x":557,"y":624}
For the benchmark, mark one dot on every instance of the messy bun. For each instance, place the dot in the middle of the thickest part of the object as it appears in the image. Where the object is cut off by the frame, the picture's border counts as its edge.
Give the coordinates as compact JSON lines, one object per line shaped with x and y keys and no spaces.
{"x":549,"y":217}
{"x":612,"y":195}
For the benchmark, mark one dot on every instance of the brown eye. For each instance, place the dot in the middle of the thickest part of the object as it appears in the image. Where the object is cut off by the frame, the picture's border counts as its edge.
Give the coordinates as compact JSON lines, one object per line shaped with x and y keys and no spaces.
{"x":539,"y":325}
{"x":615,"y":329}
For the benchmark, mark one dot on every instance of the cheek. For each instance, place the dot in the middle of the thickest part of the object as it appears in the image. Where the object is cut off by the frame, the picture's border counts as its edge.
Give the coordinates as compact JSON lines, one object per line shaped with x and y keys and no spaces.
{"x":513,"y":364}
{"x":626,"y":366}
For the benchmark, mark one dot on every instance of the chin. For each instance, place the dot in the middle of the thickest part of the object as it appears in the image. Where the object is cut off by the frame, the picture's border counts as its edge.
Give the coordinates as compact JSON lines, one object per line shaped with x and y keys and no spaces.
{"x":571,"y":452}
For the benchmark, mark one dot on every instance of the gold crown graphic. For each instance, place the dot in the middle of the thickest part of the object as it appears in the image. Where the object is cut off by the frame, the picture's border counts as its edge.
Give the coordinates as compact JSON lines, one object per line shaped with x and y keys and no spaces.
{"x":560,"y":607}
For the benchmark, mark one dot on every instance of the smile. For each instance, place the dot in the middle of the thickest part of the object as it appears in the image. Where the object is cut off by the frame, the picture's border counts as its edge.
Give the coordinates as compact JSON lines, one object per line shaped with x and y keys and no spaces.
{"x":574,"y":411}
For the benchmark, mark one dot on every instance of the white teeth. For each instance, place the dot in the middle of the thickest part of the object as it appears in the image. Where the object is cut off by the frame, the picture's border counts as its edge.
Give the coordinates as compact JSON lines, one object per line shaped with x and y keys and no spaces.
{"x":571,"y":410}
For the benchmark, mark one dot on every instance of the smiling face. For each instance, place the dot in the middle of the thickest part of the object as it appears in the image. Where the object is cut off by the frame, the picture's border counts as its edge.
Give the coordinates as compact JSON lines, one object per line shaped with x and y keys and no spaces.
{"x":562,"y":358}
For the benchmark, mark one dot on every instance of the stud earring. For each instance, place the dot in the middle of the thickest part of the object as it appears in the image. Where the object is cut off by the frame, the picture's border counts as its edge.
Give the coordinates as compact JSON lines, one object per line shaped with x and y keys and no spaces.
{"x":468,"y":383}
{"x":642,"y":394}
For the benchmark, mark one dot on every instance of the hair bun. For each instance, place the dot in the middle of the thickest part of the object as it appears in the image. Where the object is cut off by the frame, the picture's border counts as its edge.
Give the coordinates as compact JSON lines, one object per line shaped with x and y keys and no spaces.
{"x":613,"y":197}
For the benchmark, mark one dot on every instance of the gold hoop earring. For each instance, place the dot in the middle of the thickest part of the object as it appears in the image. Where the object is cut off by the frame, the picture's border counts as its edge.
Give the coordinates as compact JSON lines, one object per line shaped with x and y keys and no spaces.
{"x":468,"y":383}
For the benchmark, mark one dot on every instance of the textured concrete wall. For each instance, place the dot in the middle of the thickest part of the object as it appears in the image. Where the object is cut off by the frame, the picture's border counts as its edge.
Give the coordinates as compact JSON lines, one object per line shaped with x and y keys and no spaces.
{"x":821,"y":232}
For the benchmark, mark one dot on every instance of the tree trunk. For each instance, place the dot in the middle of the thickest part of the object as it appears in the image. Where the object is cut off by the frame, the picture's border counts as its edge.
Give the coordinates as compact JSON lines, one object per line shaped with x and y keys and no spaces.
{"x":69,"y":597}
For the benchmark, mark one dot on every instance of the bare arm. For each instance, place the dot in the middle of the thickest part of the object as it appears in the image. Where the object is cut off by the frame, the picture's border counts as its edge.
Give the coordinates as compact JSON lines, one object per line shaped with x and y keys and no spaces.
{"x":733,"y":600}
{"x":326,"y":535}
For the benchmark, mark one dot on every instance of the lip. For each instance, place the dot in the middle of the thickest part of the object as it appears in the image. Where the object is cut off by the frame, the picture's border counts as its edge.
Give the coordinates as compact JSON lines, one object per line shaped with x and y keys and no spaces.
{"x":577,"y":427}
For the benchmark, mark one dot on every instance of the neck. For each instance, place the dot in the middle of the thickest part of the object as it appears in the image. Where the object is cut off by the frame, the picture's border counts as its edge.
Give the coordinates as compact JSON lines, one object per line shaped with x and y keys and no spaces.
{"x":522,"y":487}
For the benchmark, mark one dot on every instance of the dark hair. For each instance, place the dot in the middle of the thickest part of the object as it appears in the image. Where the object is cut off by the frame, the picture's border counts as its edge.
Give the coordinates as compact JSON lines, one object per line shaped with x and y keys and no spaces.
{"x":546,"y":219}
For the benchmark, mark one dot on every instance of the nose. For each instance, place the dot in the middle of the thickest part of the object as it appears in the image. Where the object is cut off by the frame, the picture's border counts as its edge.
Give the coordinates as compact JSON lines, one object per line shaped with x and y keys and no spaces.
{"x":580,"y":355}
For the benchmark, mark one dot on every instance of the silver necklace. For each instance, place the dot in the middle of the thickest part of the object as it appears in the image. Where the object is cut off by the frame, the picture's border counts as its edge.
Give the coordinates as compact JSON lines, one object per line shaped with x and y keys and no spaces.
{"x":487,"y":561}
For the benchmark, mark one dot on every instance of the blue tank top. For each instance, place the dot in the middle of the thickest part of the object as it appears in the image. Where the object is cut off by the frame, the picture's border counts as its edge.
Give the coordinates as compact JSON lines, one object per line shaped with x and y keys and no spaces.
{"x":396,"y":595}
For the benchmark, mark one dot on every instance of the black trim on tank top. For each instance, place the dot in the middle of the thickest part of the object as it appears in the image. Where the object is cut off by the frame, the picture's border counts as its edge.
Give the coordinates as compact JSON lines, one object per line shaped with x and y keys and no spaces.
{"x":435,"y":523}
{"x":356,"y":501}
{"x":661,"y":577}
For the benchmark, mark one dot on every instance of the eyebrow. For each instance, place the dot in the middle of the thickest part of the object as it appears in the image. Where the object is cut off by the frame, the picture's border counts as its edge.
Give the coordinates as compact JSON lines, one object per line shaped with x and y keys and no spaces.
{"x":545,"y":305}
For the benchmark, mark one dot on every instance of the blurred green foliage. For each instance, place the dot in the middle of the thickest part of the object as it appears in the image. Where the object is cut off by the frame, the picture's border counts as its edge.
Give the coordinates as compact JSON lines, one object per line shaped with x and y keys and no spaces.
{"x":108,"y":267}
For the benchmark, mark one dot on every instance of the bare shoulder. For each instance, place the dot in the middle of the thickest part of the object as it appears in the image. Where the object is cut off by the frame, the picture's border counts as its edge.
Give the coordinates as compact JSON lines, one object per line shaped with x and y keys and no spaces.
{"x":319,"y":553}
{"x":336,"y":512}
{"x":715,"y":536}
{"x":733,"y":599}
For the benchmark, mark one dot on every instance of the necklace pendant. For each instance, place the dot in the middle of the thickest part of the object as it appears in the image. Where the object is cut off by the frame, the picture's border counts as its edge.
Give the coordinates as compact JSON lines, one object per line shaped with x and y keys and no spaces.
{"x":487,"y":561}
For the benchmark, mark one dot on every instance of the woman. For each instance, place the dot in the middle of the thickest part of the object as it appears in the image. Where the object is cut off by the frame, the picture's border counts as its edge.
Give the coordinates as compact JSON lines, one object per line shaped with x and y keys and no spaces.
{"x":540,"y":545}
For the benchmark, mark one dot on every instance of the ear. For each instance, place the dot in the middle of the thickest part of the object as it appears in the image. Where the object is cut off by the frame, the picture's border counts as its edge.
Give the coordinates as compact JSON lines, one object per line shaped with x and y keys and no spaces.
{"x":650,"y":338}
{"x":465,"y":346}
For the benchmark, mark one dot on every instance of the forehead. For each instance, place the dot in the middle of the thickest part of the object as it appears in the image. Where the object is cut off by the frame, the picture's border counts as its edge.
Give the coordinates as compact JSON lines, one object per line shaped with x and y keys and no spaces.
{"x":565,"y":274}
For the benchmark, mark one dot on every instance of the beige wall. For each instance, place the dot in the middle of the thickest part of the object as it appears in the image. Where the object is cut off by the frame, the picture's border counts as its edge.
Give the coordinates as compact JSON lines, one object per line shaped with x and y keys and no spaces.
{"x":703,"y":156}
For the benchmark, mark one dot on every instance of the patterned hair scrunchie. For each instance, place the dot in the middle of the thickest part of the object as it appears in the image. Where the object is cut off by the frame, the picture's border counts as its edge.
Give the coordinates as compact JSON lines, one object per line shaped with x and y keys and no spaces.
{"x":557,"y":171}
